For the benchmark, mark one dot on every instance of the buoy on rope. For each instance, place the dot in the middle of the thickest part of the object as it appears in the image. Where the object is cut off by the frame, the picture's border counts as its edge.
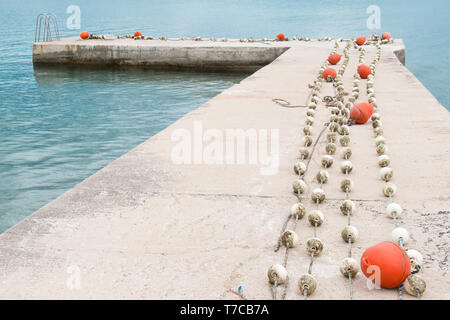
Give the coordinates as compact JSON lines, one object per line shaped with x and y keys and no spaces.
{"x":277,"y":274}
{"x":349,"y":267}
{"x":329,"y":74}
{"x":307,"y":284}
{"x":137,"y":34}
{"x":383,"y":160}
{"x":386,"y":36}
{"x":84,"y":35}
{"x":364,"y":71}
{"x":386,"y":263}
{"x":316,"y":218}
{"x":415,"y":285}
{"x":298,"y":210}
{"x":334,"y":58}
{"x":280,"y":36}
{"x":299,"y":186}
{"x":394,"y":209}
{"x":360,"y":40}
{"x":318,"y":195}
{"x":289,"y":239}
{"x":360,"y":113}
{"x":347,"y":207}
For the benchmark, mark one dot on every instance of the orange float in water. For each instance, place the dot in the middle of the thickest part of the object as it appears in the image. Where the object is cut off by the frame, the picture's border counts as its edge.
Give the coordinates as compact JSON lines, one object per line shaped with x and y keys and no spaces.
{"x":387,"y":263}
{"x":360,"y":40}
{"x":137,"y":34}
{"x":360,"y":113}
{"x":329,"y":72}
{"x":280,"y":36}
{"x":386,"y":36}
{"x":364,"y":71}
{"x":84,"y":35}
{"x":334,"y":58}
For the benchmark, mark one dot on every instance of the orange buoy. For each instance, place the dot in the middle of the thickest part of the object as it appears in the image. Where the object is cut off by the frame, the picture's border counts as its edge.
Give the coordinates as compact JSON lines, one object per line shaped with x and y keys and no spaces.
{"x":280,"y":36}
{"x":334,"y":58}
{"x":360,"y":40}
{"x":386,"y":36}
{"x":84,"y":35}
{"x":360,"y":113}
{"x":137,"y":34}
{"x":364,"y":71}
{"x":329,"y":72}
{"x":387,"y":263}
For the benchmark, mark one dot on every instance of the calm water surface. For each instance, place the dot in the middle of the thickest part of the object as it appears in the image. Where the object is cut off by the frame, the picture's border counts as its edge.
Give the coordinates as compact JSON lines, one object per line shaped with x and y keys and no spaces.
{"x":60,"y":125}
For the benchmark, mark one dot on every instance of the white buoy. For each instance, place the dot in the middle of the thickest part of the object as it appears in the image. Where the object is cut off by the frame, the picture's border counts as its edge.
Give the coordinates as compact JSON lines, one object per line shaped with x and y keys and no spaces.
{"x":309,"y":120}
{"x":379,"y":140}
{"x":322,"y":176}
{"x":389,"y":189}
{"x":307,"y":284}
{"x":349,"y":266}
{"x":298,"y":210}
{"x":347,"y":207}
{"x":327,"y":161}
{"x":307,"y":141}
{"x":386,"y":173}
{"x":381,"y":149}
{"x":289,"y":239}
{"x":415,"y":255}
{"x":318,"y":195}
{"x":304,"y":153}
{"x":277,"y":272}
{"x":300,"y":168}
{"x":314,"y":246}
{"x":299,"y":186}
{"x":350,"y":233}
{"x":346,"y":166}
{"x":331,"y":137}
{"x":378,"y":131}
{"x":383,"y":160}
{"x":400,"y":233}
{"x":415,"y":285}
{"x":346,"y":153}
{"x":316,"y":218}
{"x":394,"y":208}
{"x":347,"y":185}
{"x":344,"y":141}
{"x":330,"y":148}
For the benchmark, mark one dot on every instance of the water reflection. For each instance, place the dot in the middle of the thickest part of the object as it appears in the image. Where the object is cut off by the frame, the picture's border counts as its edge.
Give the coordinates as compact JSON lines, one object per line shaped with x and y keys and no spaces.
{"x":71,"y":122}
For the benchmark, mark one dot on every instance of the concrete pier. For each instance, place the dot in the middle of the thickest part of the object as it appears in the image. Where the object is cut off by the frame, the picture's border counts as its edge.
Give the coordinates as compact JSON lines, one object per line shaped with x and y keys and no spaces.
{"x":172,"y":53}
{"x":144,"y":227}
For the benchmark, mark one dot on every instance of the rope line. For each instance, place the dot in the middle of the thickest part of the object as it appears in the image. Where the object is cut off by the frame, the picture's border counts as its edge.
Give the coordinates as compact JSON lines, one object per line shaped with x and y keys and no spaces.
{"x":286,"y":104}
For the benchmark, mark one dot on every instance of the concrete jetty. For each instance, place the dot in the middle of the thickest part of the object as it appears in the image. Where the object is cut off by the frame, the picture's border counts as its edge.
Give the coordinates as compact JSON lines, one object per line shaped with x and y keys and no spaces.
{"x":173,"y":53}
{"x":145,"y":227}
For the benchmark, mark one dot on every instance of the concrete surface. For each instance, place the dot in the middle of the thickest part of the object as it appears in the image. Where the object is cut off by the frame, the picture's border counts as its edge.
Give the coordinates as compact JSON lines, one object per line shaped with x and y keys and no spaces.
{"x":172,"y":54}
{"x":146,"y":228}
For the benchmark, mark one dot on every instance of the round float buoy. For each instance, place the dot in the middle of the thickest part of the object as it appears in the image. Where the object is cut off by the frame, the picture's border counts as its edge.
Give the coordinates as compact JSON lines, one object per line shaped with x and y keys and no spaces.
{"x":360,"y":113}
{"x":84,"y":35}
{"x":360,"y":40}
{"x":334,"y":58}
{"x":364,"y":71}
{"x":387,"y":262}
{"x":386,"y":36}
{"x":329,"y":74}
{"x":280,"y":36}
{"x":137,"y":34}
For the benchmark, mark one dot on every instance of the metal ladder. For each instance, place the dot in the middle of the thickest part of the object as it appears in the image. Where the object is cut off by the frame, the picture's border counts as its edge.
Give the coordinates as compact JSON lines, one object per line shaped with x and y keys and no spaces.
{"x":44,"y":24}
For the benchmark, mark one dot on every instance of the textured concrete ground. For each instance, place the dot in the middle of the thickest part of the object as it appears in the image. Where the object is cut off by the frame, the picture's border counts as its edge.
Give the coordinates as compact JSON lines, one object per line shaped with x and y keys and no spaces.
{"x":144,"y":227}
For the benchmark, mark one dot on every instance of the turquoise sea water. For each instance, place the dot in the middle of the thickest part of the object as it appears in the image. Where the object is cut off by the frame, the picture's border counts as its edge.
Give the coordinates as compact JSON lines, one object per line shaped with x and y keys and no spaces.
{"x":60,"y":125}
